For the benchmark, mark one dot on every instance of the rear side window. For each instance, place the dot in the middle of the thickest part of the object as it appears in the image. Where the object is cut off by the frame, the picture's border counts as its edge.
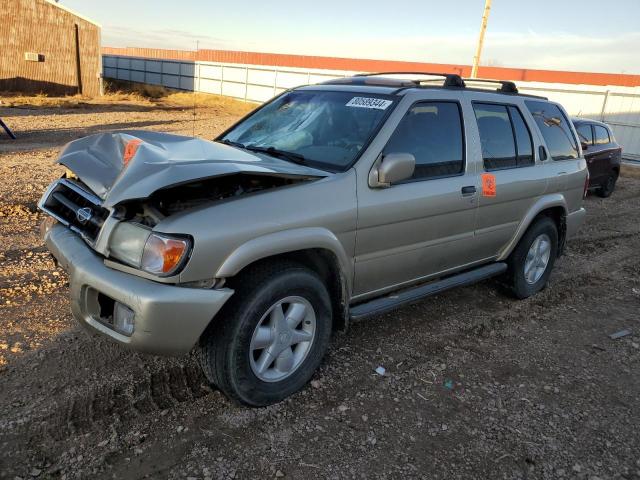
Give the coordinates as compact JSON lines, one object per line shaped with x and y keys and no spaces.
{"x":555,"y":129}
{"x":584,"y":132}
{"x":505,"y":138}
{"x":432,"y":133}
{"x":601,"y":135}
{"x":524,"y":144}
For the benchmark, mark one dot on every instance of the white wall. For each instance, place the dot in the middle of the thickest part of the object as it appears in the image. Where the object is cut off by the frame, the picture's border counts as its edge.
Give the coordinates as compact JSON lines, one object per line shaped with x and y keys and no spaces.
{"x":617,"y":106}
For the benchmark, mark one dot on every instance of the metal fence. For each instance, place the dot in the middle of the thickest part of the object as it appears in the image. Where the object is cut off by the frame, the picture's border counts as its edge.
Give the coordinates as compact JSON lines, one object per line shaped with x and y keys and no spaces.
{"x":617,"y":106}
{"x":253,"y":83}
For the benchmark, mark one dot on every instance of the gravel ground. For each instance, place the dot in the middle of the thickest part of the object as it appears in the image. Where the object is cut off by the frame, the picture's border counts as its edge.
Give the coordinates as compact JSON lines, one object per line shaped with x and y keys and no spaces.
{"x":477,"y":385}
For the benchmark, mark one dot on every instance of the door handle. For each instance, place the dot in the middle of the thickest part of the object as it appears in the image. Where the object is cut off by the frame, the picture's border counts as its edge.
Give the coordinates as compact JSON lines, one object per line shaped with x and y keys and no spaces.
{"x":468,"y":191}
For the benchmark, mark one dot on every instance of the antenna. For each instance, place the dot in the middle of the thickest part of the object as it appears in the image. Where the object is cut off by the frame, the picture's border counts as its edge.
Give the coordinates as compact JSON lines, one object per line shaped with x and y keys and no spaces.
{"x":194,"y":90}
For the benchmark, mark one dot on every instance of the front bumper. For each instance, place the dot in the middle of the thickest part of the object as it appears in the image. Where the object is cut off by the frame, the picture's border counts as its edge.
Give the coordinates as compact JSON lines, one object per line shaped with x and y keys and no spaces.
{"x":169,"y":320}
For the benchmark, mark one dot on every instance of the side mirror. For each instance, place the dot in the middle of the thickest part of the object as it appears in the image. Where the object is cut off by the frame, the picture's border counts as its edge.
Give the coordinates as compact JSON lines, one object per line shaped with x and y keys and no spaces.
{"x":584,"y":145}
{"x":393,"y":168}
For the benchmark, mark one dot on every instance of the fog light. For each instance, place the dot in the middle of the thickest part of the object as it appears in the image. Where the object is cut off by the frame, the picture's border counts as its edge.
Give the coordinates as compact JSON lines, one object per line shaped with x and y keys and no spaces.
{"x":123,"y":319}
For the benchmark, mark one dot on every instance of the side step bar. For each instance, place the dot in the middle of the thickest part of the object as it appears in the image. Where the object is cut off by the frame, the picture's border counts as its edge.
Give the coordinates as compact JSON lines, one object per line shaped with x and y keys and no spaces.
{"x":404,"y":297}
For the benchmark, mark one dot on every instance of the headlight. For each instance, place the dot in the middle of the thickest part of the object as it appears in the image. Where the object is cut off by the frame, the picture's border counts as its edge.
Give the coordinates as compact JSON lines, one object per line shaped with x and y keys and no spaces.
{"x":141,"y":248}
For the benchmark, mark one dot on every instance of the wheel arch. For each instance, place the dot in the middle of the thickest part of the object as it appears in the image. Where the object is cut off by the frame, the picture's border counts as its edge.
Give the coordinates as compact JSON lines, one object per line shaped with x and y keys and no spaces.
{"x":554,"y":207}
{"x":315,"y":248}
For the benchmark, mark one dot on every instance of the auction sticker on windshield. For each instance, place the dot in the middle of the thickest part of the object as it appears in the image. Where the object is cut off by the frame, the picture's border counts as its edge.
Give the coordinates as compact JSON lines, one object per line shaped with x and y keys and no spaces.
{"x":367,"y":102}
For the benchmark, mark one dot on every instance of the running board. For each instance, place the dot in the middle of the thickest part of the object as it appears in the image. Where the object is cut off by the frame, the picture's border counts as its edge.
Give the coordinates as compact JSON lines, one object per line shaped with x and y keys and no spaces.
{"x":404,"y":297}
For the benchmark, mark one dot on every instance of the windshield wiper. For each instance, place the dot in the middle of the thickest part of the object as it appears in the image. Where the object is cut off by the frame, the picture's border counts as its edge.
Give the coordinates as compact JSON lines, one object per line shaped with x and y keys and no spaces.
{"x":291,"y":156}
{"x":232,"y":143}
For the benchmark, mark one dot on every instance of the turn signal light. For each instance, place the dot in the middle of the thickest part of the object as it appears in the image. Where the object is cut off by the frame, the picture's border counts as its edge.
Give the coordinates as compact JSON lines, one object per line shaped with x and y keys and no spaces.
{"x":164,"y":255}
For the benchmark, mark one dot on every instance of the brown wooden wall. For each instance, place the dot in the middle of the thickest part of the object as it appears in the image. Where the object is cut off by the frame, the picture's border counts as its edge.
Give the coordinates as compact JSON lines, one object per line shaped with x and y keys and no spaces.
{"x":40,"y":27}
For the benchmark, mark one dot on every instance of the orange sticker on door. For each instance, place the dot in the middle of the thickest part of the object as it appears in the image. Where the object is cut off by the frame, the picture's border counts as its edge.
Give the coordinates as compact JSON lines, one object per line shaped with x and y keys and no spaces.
{"x":488,"y":185}
{"x":130,"y":149}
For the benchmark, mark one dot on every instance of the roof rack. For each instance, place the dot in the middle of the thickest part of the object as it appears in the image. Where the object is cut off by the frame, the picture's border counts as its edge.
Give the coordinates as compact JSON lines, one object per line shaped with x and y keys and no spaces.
{"x":506,"y":86}
{"x":450,"y":79}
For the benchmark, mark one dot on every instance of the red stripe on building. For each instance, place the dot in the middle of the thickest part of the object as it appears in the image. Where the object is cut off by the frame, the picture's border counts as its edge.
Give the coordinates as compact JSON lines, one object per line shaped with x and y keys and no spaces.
{"x":368,"y":65}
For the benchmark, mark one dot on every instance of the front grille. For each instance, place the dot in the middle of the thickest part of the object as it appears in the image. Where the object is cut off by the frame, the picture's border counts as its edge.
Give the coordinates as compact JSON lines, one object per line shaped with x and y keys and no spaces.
{"x":75,"y":207}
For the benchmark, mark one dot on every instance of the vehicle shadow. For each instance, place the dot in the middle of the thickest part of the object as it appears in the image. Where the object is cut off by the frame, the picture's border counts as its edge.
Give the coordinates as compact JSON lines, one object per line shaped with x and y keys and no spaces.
{"x":55,"y":137}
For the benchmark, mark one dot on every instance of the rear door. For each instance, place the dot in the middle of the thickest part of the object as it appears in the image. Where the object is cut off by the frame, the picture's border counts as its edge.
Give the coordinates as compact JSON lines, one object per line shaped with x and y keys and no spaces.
{"x":604,"y":152}
{"x":422,"y":226}
{"x":511,"y":179}
{"x":564,"y":166}
{"x":585,"y":134}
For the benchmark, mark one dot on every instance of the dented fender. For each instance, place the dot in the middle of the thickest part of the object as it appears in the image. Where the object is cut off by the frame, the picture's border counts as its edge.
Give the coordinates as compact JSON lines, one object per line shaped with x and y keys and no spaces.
{"x":284,"y":242}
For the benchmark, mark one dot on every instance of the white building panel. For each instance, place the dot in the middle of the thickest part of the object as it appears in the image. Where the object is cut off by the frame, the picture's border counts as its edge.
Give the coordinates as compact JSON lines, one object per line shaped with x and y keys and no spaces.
{"x":234,"y":74}
{"x":261,"y":77}
{"x":207,"y":85}
{"x":213,"y":72}
{"x":292,"y":79}
{"x":259,"y":93}
{"x":236,"y":90}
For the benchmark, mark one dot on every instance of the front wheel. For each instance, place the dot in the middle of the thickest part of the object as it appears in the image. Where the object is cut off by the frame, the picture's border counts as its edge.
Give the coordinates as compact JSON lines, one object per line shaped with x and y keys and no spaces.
{"x":271,"y":337}
{"x":532,"y":260}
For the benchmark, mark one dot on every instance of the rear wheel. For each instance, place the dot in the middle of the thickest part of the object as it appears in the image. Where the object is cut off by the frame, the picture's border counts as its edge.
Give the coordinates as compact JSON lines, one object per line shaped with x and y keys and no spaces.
{"x":271,"y":337}
{"x":532,"y":260}
{"x":608,"y":186}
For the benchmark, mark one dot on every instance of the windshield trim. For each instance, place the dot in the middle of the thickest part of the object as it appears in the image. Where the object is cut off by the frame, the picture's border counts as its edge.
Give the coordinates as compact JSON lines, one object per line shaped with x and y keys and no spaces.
{"x":395,"y":100}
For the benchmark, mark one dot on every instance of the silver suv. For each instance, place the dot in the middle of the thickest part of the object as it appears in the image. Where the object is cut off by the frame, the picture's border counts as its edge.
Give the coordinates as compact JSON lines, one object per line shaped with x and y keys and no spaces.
{"x":329,"y":203}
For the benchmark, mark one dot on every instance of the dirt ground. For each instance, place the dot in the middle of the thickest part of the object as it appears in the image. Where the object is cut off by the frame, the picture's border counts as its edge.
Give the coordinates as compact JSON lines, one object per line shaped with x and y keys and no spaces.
{"x":477,"y":385}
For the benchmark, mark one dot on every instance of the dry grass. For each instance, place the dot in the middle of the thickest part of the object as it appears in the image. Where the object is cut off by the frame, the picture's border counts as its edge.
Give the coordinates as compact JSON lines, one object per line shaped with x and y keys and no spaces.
{"x":630,"y":171}
{"x":133,"y":94}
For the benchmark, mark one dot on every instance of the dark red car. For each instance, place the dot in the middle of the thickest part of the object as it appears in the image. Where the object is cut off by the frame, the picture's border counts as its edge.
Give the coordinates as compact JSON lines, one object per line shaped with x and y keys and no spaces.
{"x":602,"y":152}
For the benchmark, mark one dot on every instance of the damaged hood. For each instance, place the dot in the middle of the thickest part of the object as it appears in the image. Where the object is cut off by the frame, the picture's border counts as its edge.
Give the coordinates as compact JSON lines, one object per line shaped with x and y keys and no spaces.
{"x":120,"y":166}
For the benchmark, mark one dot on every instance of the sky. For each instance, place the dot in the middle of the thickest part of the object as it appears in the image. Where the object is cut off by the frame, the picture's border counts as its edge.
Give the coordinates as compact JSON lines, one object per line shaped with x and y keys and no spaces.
{"x":581,"y":35}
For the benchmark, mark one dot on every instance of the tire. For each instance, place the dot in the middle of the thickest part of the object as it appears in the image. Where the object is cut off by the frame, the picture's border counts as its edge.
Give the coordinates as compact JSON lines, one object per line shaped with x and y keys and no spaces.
{"x":523,"y":284}
{"x":225,"y":350}
{"x":608,"y":186}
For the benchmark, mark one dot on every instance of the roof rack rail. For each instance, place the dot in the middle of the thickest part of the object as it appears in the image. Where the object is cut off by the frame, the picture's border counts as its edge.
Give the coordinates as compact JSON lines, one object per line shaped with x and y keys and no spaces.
{"x":450,"y":79}
{"x":506,"y":86}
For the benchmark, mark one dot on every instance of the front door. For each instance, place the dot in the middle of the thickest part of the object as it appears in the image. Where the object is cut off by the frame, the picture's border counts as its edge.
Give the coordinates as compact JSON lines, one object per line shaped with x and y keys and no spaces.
{"x":422,"y":226}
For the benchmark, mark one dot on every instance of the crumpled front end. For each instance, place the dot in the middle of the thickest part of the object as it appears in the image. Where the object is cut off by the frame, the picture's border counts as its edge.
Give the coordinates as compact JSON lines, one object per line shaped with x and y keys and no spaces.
{"x":109,"y":209}
{"x":133,"y":311}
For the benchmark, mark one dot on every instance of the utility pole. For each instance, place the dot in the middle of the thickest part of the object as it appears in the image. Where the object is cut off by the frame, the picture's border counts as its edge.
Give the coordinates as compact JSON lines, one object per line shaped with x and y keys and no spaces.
{"x":483,"y":28}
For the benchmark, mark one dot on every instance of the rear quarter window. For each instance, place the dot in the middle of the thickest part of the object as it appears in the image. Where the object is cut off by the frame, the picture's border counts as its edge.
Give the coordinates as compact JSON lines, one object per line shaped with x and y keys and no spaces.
{"x":601,"y":135}
{"x":555,"y":129}
{"x":584,"y":132}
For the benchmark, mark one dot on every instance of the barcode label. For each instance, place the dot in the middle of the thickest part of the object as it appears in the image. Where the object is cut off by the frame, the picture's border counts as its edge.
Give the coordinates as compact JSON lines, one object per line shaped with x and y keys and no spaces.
{"x":367,"y":102}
